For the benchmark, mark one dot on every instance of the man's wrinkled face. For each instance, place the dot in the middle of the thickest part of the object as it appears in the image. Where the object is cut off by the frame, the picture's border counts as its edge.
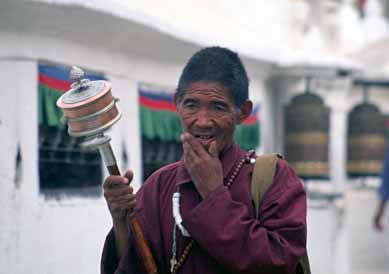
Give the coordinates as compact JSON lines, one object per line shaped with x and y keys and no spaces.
{"x":208,"y":113}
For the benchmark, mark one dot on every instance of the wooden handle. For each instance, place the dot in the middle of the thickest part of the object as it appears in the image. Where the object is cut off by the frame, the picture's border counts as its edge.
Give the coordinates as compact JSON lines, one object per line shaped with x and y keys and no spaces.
{"x":146,"y":255}
{"x":144,"y":249}
{"x":113,"y":170}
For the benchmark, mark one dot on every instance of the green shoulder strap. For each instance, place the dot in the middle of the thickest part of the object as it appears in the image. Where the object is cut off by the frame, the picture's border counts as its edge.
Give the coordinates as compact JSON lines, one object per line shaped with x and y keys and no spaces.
{"x":263,"y":174}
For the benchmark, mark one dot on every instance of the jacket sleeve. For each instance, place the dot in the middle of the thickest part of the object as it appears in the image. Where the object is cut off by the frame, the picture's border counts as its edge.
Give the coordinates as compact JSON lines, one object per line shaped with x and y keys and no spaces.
{"x":110,"y":264}
{"x":273,"y":243}
{"x":109,"y":259}
{"x":147,"y":214}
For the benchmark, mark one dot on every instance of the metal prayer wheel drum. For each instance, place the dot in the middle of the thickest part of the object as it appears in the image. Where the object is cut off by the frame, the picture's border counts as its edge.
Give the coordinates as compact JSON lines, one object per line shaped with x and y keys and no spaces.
{"x":366,"y":141}
{"x":89,"y":107}
{"x":306,"y":136}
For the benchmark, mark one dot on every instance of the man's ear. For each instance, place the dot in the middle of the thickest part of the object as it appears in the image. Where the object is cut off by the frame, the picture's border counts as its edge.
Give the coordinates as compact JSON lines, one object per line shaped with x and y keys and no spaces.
{"x":245,"y":111}
{"x":175,"y":100}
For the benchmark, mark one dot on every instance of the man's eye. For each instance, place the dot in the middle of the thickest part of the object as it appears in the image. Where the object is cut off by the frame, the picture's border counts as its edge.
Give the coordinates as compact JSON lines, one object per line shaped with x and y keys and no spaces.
{"x":219,"y":107}
{"x":189,"y":105}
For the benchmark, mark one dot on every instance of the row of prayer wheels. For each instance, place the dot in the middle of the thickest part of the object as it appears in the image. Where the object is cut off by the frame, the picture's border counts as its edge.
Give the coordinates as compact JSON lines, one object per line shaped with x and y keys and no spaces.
{"x":307,"y":125}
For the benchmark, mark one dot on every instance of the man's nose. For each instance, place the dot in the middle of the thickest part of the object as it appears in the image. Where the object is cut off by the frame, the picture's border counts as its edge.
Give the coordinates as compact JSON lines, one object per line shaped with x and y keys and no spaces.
{"x":203,"y":119}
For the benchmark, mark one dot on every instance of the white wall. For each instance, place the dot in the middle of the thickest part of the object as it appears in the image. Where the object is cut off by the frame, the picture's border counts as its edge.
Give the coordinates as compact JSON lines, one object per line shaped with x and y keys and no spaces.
{"x":66,"y":235}
{"x":63,"y":235}
{"x":58,"y":235}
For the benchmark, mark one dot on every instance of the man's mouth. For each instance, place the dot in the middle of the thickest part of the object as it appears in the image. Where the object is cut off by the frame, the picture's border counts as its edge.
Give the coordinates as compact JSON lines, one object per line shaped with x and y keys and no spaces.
{"x":204,"y":137}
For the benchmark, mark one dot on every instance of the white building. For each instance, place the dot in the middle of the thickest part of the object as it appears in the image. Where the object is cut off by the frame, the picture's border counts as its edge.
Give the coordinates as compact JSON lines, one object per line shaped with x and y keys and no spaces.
{"x":142,"y":42}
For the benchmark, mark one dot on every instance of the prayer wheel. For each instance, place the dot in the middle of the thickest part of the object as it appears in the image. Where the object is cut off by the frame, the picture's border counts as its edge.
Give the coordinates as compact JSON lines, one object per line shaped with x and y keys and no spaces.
{"x":88,"y":106}
{"x":366,"y":141}
{"x":306,"y":136}
{"x":89,"y":110}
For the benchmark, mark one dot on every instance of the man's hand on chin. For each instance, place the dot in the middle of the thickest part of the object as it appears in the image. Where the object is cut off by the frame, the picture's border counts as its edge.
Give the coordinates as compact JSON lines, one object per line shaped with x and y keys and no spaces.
{"x":203,"y":166}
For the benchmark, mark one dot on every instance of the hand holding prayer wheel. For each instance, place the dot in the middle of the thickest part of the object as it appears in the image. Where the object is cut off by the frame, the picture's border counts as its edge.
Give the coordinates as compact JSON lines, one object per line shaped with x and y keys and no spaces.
{"x":89,"y":109}
{"x":119,"y":195}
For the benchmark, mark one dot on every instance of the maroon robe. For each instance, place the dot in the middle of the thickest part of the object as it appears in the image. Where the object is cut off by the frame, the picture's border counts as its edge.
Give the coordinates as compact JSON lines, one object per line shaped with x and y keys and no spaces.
{"x":228,"y":236}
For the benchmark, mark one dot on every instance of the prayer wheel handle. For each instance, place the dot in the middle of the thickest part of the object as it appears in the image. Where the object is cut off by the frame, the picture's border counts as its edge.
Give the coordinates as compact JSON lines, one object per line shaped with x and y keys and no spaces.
{"x":89,"y":109}
{"x":102,"y":143}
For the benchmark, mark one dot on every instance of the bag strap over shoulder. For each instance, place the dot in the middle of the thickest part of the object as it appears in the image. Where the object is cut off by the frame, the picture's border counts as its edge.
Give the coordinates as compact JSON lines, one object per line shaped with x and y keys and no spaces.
{"x":263,"y":174}
{"x":264,"y":170}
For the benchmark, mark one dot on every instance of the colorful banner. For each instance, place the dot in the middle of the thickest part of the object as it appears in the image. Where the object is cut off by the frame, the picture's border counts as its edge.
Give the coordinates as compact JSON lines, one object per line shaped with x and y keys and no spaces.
{"x":53,"y":81}
{"x":247,"y":135}
{"x":159,"y":119}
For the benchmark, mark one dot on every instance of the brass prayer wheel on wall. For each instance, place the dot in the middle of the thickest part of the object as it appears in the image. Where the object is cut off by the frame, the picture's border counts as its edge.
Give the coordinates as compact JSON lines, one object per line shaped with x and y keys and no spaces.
{"x":306,"y":136}
{"x":366,"y":141}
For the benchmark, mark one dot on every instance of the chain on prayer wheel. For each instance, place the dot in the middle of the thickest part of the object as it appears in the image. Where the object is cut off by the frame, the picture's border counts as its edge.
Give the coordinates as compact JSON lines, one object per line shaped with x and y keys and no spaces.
{"x":366,"y":141}
{"x":306,"y":136}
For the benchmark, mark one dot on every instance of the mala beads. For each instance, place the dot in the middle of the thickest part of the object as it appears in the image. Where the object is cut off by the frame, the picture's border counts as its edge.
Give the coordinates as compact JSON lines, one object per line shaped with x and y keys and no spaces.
{"x":176,"y":264}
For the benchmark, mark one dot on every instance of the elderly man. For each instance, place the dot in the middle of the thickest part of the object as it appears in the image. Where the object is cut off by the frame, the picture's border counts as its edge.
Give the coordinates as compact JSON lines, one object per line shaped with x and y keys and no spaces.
{"x":197,"y":214}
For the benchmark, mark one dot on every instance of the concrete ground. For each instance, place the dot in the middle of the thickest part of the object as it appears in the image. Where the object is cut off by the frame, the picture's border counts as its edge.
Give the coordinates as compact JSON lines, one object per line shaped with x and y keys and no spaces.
{"x":341,"y":238}
{"x":369,"y":249}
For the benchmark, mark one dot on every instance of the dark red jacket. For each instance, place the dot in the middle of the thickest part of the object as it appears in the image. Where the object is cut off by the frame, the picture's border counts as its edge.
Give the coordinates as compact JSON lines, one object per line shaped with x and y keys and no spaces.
{"x":228,"y":236}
